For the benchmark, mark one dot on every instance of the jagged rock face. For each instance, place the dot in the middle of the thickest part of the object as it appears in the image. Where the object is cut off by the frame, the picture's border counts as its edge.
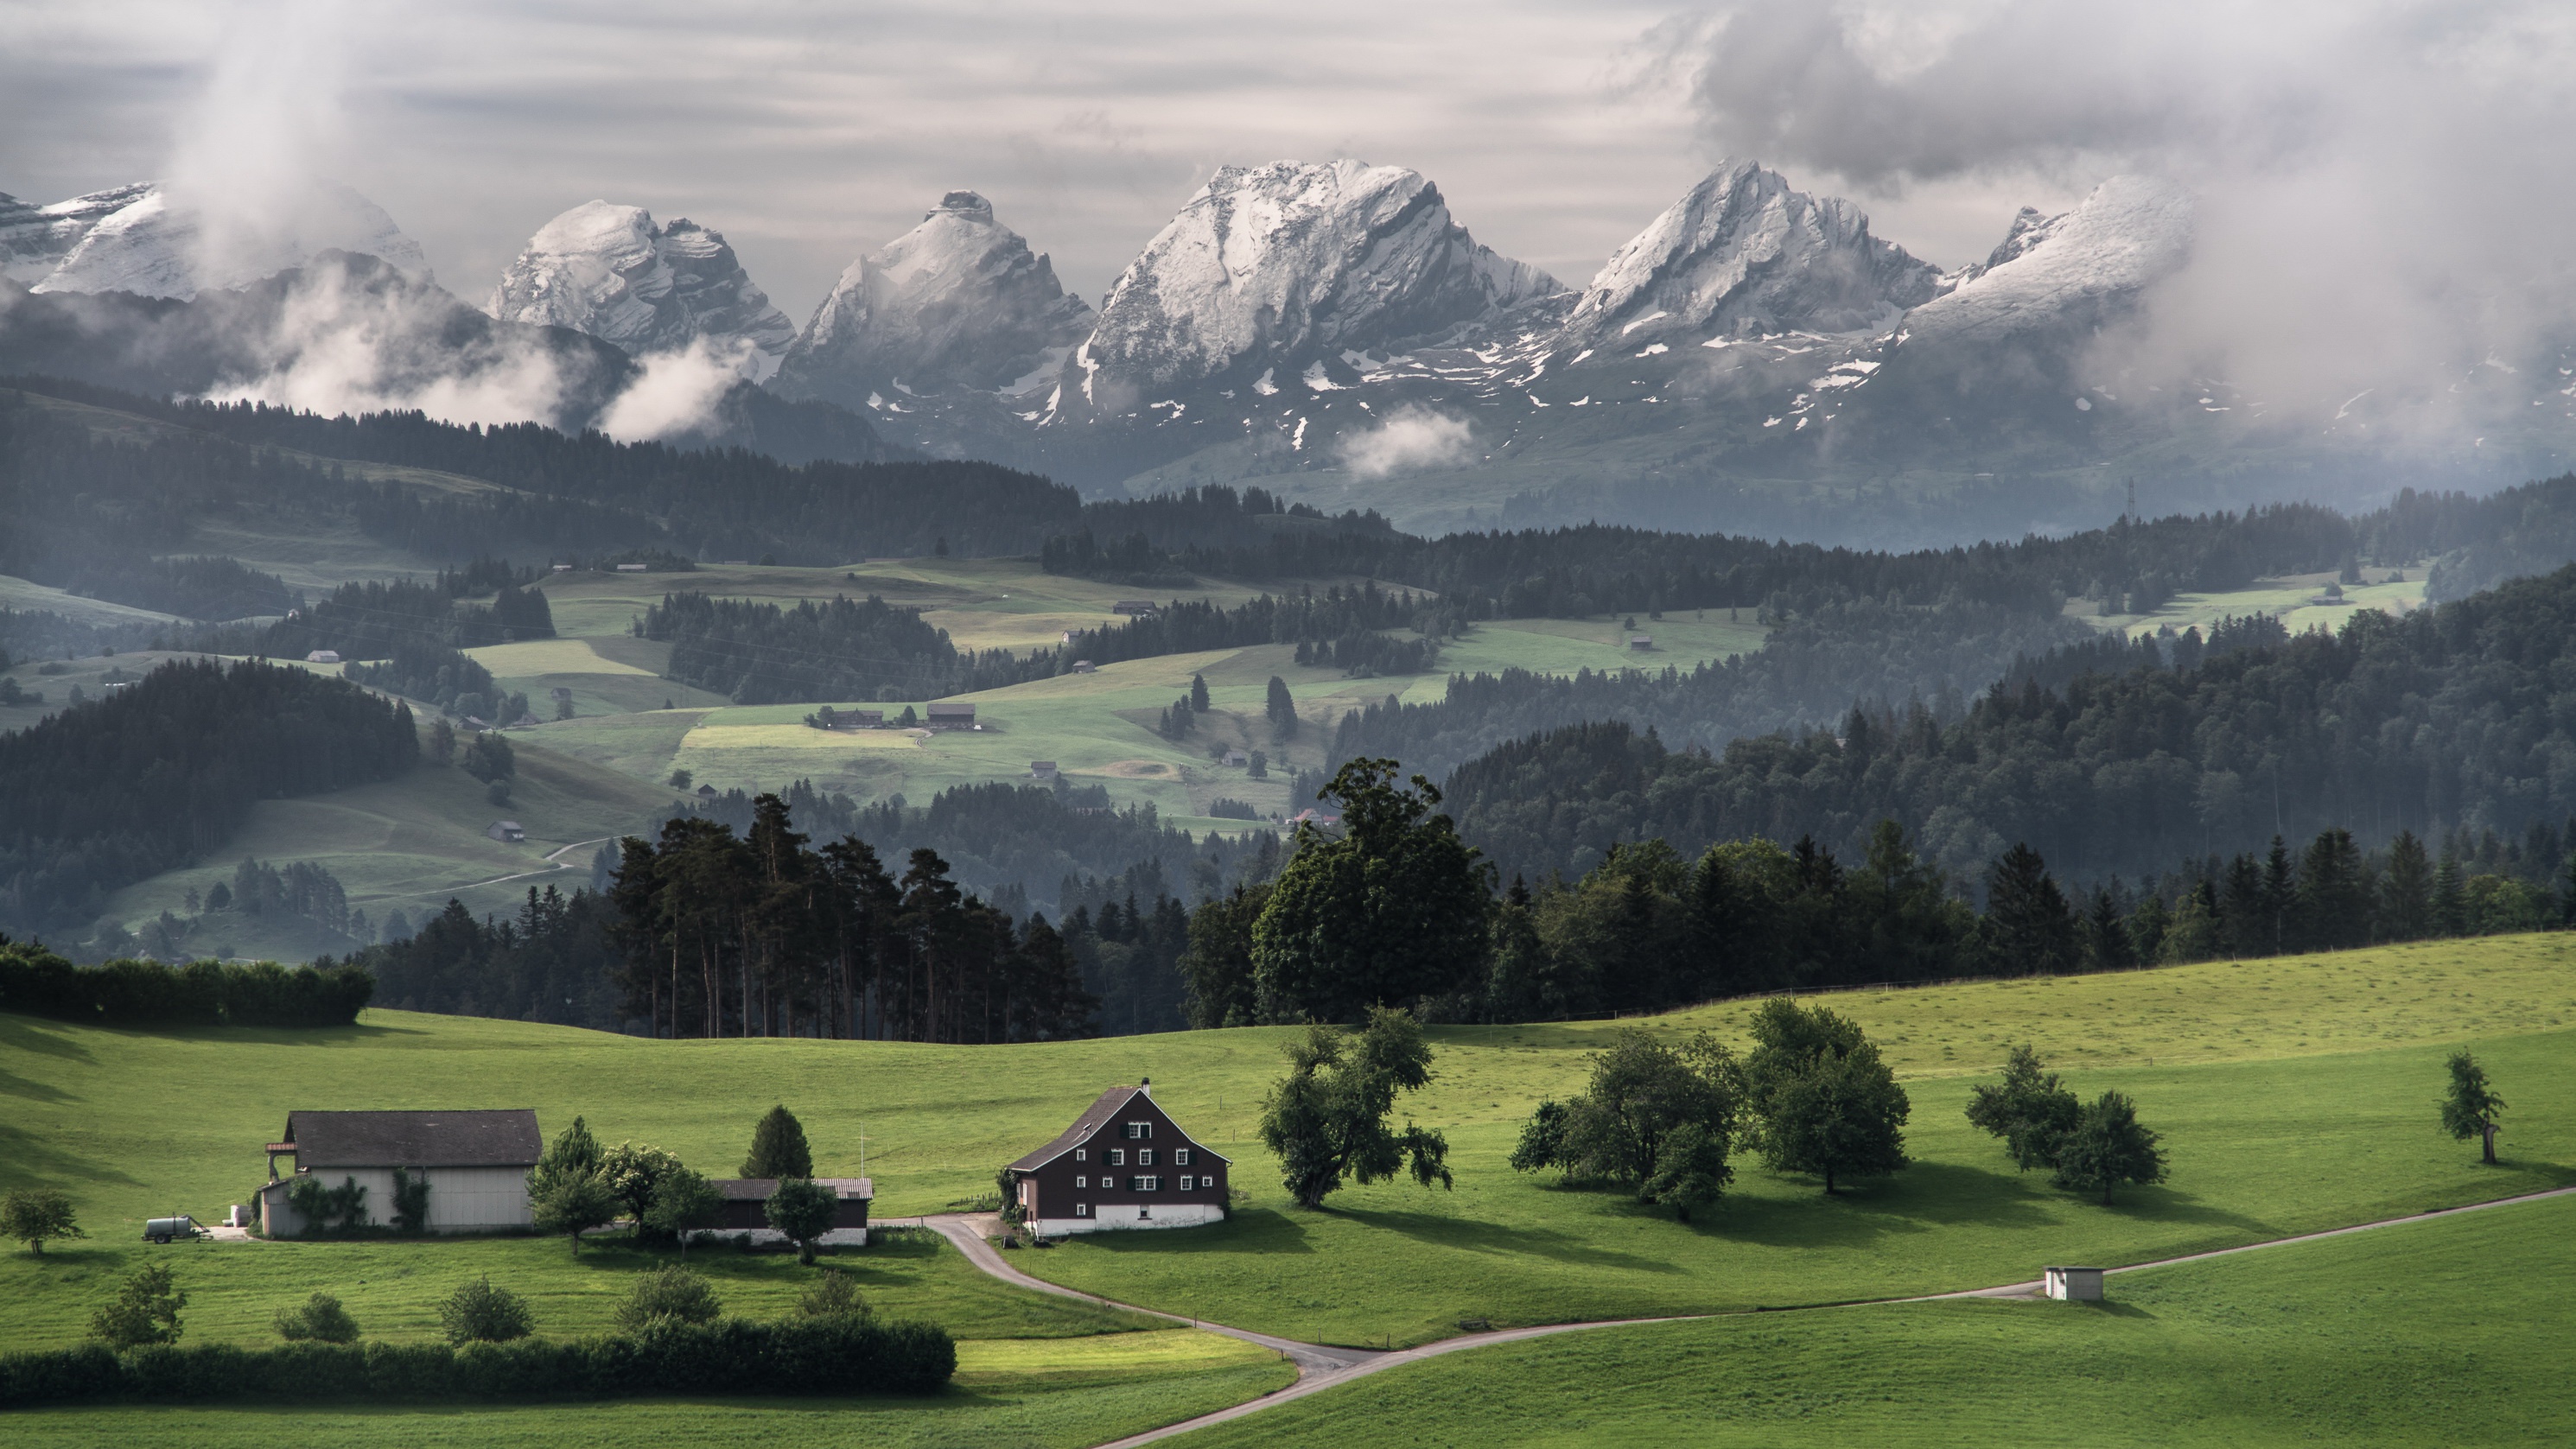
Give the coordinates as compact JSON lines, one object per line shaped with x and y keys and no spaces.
{"x":609,"y":271}
{"x":957,"y":303}
{"x":1743,"y":255}
{"x":1289,"y":265}
{"x":142,"y":239}
{"x":2060,"y":272}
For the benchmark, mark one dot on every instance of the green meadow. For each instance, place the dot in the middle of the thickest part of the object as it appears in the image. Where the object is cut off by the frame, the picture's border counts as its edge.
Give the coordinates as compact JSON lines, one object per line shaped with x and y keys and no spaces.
{"x":2452,"y":1331}
{"x":2294,"y":1094}
{"x":2294,"y":600}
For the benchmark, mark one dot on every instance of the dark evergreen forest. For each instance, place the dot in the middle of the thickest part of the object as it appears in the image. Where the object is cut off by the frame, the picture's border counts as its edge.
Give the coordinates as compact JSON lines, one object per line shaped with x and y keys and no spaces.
{"x":159,"y":773}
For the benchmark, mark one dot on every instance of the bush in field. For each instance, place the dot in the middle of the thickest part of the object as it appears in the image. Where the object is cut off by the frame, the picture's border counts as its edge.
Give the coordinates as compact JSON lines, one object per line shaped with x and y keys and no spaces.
{"x":835,"y":1294}
{"x":668,"y":1295}
{"x":144,"y":1311}
{"x":804,"y":1210}
{"x":321,"y":1319}
{"x":477,"y":1312}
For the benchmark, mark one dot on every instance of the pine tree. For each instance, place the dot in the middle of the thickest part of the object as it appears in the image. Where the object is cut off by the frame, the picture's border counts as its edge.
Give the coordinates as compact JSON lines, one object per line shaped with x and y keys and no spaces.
{"x":1198,"y":693}
{"x":2450,"y":905}
{"x":1281,"y":710}
{"x":2028,"y":928}
{"x":2333,"y":900}
{"x":2406,"y":891}
{"x":2280,"y":897}
{"x":778,"y":1147}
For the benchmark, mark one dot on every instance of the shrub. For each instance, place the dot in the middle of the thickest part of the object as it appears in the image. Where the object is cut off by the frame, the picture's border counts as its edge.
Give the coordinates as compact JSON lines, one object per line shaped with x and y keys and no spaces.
{"x":321,"y":1318}
{"x":668,"y":1295}
{"x":477,"y":1312}
{"x":835,"y":1294}
{"x":144,"y":1311}
{"x":325,"y":1208}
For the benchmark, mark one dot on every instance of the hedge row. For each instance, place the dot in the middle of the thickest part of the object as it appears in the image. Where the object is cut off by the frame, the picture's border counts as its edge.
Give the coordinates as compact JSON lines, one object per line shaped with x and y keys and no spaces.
{"x":731,"y":1356}
{"x":36,"y":982}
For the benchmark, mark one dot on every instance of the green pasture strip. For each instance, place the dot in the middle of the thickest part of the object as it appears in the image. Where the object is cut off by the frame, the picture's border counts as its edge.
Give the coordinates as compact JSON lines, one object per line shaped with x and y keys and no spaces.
{"x":2454,"y":1331}
{"x":393,"y":1288}
{"x":2291,"y":600}
{"x":998,"y":1401}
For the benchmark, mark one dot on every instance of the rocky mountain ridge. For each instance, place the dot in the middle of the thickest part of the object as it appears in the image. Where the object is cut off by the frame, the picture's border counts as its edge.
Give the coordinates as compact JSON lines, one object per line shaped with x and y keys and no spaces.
{"x":153,"y":241}
{"x":614,"y":273}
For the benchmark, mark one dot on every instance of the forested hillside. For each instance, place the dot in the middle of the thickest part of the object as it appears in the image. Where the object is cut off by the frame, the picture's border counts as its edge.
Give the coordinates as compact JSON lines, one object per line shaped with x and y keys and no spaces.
{"x":161,"y":772}
{"x":2462,"y":715}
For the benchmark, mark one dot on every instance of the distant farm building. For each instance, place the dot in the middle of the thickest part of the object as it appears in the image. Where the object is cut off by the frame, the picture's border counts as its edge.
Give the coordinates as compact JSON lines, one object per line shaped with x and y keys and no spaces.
{"x":1082,"y":666}
{"x":563,"y":568}
{"x":706,"y":792}
{"x":951,"y":717}
{"x":323,"y":656}
{"x":1312,"y":816}
{"x":1133,"y":608}
{"x":1124,"y":1163}
{"x":476,"y":1164}
{"x":1237,"y":757}
{"x":630,"y":568}
{"x":509,"y":830}
{"x":2081,"y":1285}
{"x":1641,"y":641}
{"x":1042,"y":770}
{"x":746,"y":1201}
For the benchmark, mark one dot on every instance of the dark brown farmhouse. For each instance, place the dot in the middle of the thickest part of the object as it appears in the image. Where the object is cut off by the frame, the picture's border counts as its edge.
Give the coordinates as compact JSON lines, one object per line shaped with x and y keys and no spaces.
{"x":1124,"y":1163}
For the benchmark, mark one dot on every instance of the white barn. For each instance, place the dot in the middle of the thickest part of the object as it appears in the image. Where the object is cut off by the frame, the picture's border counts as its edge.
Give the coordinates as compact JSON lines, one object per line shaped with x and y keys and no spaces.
{"x":476,"y":1164}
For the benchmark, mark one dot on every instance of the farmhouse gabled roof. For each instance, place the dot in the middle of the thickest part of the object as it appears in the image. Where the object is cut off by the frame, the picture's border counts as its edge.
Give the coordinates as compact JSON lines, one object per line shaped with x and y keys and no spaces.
{"x":1093,"y":1118}
{"x":486,"y":1138}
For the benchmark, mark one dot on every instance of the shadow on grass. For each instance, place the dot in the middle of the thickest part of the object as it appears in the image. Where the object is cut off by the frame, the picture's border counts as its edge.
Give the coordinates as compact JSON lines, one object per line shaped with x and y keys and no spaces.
{"x":1245,"y":1230}
{"x":1479,"y":1236}
{"x":27,"y":1160}
{"x":1926,"y":1196}
{"x":25,"y":1034}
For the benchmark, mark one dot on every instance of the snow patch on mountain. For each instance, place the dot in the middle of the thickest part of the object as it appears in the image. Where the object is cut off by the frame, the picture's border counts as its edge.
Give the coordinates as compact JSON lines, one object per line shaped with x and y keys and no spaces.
{"x":144,"y":239}
{"x":1278,"y":265}
{"x":1746,"y":254}
{"x":610,"y":271}
{"x":958,"y":302}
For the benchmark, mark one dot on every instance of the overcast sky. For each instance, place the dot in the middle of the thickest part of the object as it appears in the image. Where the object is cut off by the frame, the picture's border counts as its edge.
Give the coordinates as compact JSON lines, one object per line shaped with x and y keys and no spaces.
{"x":809,"y":132}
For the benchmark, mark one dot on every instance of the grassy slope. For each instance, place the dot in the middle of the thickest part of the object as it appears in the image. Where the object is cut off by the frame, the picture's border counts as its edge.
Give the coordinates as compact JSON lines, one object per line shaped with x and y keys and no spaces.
{"x":2449,"y":1332}
{"x":2295,"y":1094}
{"x":2285,"y":598}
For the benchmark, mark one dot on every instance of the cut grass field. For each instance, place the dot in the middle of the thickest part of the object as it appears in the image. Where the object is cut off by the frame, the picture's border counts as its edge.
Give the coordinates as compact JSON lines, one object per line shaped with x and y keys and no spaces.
{"x":2453,"y":1331}
{"x":2294,"y":1095}
{"x":2289,"y":599}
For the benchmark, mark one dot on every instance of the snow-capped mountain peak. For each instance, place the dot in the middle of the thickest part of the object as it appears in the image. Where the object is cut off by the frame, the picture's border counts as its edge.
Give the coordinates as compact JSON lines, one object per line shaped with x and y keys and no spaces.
{"x":957,"y":303}
{"x":1288,"y":263}
{"x":1745,"y":254}
{"x":2129,"y":231}
{"x":612,"y":272}
{"x":145,"y":239}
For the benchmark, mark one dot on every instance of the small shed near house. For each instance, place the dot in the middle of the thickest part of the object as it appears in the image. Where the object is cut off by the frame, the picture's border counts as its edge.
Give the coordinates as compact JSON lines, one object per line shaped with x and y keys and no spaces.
{"x":1237,"y":757}
{"x":1042,"y":770}
{"x":323,"y":656}
{"x":1124,"y":1163}
{"x":509,"y":830}
{"x":746,"y":1201}
{"x":2080,"y":1285}
{"x":950,"y":716}
{"x":706,"y":792}
{"x":1133,"y":608}
{"x":475,"y":1162}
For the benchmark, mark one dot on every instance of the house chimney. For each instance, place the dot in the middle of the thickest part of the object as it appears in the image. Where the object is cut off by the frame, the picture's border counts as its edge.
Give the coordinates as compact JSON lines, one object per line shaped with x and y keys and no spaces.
{"x":1145,"y":1085}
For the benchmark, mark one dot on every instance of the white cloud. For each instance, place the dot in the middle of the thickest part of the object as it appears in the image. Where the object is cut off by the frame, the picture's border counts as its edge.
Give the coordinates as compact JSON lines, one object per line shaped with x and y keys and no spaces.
{"x":674,"y":392}
{"x":1411,"y":440}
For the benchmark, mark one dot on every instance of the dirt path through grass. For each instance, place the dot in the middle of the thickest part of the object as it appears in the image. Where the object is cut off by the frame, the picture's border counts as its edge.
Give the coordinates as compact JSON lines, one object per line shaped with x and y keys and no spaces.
{"x":1323,"y":1366}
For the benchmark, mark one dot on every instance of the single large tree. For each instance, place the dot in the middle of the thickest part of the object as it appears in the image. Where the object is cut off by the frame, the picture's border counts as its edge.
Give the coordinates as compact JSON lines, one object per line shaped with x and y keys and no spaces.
{"x":803,"y":1210}
{"x":1282,"y":711}
{"x":2028,"y":929}
{"x":2107,"y":1147}
{"x":1391,"y":912}
{"x":778,"y":1147}
{"x":1326,"y":1120}
{"x":684,"y":1203}
{"x":2029,"y":1110}
{"x":144,"y":1311}
{"x":2471,"y":1107}
{"x":30,"y":1215}
{"x":1826,"y":1103}
{"x":634,"y":1172}
{"x":1656,"y":1118}
{"x":567,"y":1193}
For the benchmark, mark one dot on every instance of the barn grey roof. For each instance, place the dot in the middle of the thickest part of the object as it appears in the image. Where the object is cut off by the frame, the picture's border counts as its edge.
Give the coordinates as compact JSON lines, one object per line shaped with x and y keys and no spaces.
{"x":758,"y":1189}
{"x":480,"y":1138}
{"x":1095,"y":1117}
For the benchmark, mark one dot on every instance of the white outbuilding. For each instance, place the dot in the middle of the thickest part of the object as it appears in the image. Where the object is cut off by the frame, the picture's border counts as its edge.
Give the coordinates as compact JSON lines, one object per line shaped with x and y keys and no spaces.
{"x":2081,"y":1285}
{"x":476,"y":1164}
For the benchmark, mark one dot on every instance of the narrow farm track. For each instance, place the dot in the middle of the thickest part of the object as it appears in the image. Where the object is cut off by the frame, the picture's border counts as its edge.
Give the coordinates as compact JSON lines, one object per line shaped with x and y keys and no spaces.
{"x":1323,"y":1366}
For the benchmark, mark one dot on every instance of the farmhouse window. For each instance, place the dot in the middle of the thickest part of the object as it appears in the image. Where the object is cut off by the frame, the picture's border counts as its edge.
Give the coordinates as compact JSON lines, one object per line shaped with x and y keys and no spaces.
{"x":1082,"y":1182}
{"x":1144,"y":1157}
{"x":1082,"y":1209}
{"x":1180,"y":1157}
{"x":1186,"y":1184}
{"x":1146,"y":1184}
{"x":1118,"y":1157}
{"x":1137,"y":1131}
{"x":1080,"y":1156}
